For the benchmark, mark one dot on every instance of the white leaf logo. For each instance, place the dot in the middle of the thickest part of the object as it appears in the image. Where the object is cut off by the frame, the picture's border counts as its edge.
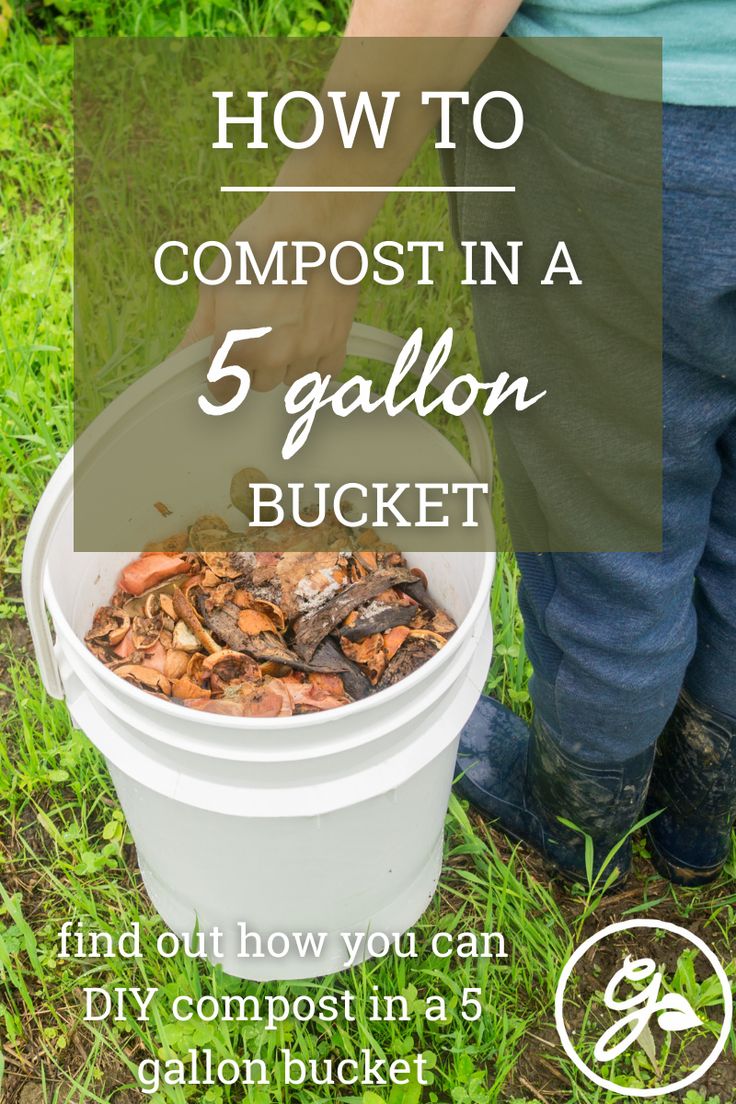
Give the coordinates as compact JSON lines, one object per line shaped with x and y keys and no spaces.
{"x":637,"y":996}
{"x":673,"y":1011}
{"x":677,"y":1013}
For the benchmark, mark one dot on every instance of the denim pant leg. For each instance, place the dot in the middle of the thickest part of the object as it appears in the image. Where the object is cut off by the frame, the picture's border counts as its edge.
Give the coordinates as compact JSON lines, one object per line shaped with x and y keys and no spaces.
{"x":711,"y":676}
{"x":611,"y":635}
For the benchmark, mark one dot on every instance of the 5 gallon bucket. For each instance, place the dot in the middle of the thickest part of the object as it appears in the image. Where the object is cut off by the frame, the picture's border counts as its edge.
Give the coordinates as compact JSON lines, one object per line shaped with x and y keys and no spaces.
{"x":322,"y":823}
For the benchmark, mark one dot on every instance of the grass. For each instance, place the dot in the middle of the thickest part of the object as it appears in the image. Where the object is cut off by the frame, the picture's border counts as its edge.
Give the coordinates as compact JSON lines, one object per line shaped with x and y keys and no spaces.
{"x":65,"y":852}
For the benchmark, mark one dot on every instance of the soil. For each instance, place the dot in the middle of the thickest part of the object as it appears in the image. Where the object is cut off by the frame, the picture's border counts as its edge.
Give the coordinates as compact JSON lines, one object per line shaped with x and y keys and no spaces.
{"x":536,"y":1076}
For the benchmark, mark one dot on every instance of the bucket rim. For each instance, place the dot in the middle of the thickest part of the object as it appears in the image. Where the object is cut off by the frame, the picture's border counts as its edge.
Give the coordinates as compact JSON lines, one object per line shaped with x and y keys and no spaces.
{"x":58,"y":497}
{"x":352,"y":710}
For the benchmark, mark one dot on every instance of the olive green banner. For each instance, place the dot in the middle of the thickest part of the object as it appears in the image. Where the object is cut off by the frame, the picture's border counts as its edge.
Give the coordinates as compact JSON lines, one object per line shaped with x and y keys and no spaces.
{"x":324,"y":288}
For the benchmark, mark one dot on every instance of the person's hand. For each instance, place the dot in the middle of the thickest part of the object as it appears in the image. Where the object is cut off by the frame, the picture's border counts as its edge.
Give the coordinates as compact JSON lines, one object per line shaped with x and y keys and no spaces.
{"x":310,"y":323}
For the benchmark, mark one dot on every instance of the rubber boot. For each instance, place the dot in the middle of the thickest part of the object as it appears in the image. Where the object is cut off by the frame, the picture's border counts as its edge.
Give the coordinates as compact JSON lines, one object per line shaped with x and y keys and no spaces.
{"x":526,"y":781}
{"x":694,"y":782}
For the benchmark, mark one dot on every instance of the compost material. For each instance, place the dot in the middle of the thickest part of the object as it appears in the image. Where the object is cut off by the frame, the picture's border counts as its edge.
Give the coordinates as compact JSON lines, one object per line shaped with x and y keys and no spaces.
{"x":265,"y":633}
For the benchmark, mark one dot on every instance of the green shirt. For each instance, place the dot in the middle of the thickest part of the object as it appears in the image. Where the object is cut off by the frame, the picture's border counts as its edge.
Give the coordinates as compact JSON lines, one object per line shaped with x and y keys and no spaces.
{"x":698,"y":45}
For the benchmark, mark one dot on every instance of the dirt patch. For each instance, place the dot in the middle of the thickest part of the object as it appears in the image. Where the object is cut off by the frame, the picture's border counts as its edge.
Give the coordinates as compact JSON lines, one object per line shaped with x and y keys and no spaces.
{"x":538,"y":1075}
{"x":31,"y":1088}
{"x":15,"y":639}
{"x":15,"y":636}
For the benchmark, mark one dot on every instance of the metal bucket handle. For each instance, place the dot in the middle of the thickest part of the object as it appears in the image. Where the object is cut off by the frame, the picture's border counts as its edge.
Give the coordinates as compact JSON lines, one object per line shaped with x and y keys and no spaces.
{"x":364,"y":341}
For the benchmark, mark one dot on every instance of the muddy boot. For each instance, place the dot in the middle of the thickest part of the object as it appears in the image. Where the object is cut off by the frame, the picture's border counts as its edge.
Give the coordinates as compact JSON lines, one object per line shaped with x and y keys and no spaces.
{"x":526,"y":781}
{"x":694,"y":782}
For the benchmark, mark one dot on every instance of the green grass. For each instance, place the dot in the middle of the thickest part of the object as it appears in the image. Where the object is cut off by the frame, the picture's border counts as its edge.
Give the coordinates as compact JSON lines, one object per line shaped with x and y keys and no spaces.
{"x":35,"y":276}
{"x":71,"y":858}
{"x":65,"y":852}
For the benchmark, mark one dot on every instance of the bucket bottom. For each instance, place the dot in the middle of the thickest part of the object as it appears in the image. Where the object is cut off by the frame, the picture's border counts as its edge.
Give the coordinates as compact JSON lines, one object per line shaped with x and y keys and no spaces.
{"x":399,"y":914}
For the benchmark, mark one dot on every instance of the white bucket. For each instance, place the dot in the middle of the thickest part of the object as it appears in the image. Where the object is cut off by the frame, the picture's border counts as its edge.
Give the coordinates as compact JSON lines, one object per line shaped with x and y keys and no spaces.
{"x":329,"y":822}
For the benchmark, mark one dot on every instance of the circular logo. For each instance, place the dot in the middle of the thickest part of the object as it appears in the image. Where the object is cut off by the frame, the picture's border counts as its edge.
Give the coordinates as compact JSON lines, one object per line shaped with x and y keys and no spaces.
{"x":636,"y":996}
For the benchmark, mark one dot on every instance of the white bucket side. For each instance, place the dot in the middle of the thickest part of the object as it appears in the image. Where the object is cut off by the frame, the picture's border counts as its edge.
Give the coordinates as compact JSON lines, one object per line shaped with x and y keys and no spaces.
{"x":289,"y":789}
{"x":331,"y":821}
{"x":371,"y":867}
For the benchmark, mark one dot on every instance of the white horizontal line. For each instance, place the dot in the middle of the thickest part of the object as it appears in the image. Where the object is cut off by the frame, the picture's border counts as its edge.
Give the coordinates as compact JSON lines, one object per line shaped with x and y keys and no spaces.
{"x":366,"y":188}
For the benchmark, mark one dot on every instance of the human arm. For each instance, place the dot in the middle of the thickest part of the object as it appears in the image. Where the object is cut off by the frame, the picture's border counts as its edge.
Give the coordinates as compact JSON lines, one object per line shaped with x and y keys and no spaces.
{"x":310,"y":323}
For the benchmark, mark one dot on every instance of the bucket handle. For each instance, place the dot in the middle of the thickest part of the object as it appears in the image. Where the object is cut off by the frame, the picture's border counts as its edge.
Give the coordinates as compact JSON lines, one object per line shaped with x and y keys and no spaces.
{"x":364,"y":341}
{"x":45,"y":518}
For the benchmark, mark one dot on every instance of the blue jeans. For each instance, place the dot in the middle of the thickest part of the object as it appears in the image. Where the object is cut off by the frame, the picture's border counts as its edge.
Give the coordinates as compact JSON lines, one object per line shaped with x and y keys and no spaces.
{"x":613,"y":637}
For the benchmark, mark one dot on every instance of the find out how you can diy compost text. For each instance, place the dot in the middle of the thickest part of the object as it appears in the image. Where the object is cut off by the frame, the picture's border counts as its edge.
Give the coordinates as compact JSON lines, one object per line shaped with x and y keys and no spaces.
{"x":201,"y":1067}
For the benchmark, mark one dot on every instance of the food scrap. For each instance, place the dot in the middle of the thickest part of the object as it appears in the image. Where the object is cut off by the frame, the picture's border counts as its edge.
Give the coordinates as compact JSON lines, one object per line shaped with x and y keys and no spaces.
{"x":267,"y":633}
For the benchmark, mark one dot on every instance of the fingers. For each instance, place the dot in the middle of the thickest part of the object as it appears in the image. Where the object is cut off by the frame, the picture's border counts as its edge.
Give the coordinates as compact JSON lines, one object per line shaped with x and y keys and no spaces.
{"x":302,"y":366}
{"x":270,"y":370}
{"x":328,"y":365}
{"x":268,"y":364}
{"x":265,"y":379}
{"x":307,"y":335}
{"x":331,"y":364}
{"x":265,"y":359}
